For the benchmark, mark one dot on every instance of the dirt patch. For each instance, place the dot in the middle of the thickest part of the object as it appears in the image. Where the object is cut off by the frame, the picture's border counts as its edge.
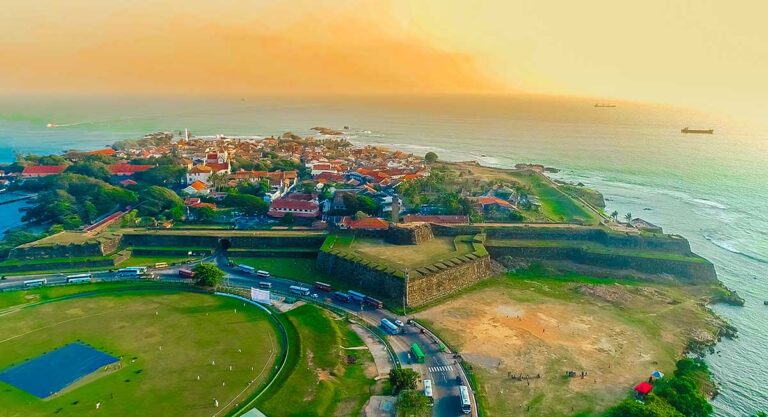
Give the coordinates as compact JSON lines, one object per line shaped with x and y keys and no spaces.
{"x":522,"y":346}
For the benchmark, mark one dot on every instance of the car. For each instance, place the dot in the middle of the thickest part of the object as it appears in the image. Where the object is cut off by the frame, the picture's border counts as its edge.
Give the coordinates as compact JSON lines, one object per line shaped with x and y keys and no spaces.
{"x":459,"y":381}
{"x":314,"y":295}
{"x":398,"y":323}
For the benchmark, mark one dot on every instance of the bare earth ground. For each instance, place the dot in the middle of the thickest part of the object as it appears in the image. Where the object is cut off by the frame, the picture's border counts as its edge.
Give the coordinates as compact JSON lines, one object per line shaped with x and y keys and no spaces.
{"x":616,"y":334}
{"x":428,"y":252}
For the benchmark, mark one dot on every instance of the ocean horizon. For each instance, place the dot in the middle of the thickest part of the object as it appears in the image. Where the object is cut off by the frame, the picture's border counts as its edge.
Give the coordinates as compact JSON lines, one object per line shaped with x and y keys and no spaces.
{"x":707,"y":188}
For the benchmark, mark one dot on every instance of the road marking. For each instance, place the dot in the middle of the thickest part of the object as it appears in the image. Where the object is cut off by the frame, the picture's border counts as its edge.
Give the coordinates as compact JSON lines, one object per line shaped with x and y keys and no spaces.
{"x":438,"y":369}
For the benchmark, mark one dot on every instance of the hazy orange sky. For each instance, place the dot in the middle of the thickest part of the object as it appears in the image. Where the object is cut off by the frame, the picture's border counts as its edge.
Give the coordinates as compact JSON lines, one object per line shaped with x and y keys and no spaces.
{"x":702,"y":53}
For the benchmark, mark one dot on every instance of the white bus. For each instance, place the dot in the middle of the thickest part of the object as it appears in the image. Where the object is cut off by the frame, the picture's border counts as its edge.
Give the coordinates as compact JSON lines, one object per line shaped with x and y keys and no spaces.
{"x":128,"y":273}
{"x":79,"y":278}
{"x":35,"y":282}
{"x":141,"y":270}
{"x":247,"y":269}
{"x":428,"y":392}
{"x":466,"y":405}
{"x":262,"y":274}
{"x":295,"y":289}
{"x":265,"y":285}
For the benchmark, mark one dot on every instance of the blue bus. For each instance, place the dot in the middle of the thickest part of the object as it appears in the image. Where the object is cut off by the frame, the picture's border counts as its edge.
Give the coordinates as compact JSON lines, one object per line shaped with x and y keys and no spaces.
{"x":341,"y":296}
{"x":356,"y":296}
{"x":389,"y":327}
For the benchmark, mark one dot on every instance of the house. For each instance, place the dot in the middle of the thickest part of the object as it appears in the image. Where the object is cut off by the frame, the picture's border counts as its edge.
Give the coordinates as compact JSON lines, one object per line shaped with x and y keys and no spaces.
{"x":127,"y":170}
{"x":38,"y":171}
{"x":199,"y":173}
{"x":298,"y":208}
{"x":486,"y":203}
{"x":216,"y":158}
{"x":197,"y":188}
{"x":321,"y":168}
{"x":365,"y":223}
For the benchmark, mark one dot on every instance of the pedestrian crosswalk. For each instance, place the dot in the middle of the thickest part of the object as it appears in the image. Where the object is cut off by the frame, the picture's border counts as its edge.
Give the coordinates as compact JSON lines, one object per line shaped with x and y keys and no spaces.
{"x":438,"y":369}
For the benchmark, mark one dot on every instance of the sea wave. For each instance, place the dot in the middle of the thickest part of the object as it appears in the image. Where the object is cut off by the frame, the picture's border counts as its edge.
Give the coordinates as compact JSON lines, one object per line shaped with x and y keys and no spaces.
{"x":729,"y":246}
{"x":710,"y":203}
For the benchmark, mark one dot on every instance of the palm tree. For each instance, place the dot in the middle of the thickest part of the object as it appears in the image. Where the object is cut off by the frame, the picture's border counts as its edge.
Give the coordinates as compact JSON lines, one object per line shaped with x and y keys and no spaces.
{"x":615,"y":215}
{"x":628,"y":216}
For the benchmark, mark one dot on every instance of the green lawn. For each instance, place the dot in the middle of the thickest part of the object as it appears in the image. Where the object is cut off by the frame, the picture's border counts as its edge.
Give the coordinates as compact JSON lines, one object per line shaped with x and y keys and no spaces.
{"x":596,"y":248}
{"x":152,"y":260}
{"x":556,"y":205}
{"x":321,"y":382}
{"x":193,"y":330}
{"x":300,"y":269}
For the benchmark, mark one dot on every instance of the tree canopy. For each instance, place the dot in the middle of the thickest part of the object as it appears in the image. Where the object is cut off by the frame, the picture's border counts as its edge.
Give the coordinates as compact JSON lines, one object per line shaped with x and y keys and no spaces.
{"x":403,"y":379}
{"x":208,"y":275}
{"x":430,"y":157}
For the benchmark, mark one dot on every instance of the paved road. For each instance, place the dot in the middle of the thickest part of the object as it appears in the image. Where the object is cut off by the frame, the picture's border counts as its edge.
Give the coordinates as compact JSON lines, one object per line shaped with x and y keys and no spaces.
{"x":440,"y":367}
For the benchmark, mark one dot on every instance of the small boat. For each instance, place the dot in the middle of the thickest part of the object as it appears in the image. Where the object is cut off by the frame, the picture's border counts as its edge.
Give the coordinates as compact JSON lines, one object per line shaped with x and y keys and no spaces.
{"x":51,"y":125}
{"x":765,"y":303}
{"x":605,"y":105}
{"x":703,"y":131}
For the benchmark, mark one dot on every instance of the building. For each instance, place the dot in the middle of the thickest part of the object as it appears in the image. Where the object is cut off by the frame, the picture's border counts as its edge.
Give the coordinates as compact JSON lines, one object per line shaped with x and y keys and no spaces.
{"x":197,"y":188}
{"x":38,"y":171}
{"x":199,"y":173}
{"x":365,"y":223}
{"x":298,"y":208}
{"x":106,"y":152}
{"x":127,"y":170}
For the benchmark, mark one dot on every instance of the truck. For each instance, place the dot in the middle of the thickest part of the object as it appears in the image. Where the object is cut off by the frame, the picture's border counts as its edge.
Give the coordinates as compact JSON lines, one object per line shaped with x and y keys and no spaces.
{"x":389,"y":327}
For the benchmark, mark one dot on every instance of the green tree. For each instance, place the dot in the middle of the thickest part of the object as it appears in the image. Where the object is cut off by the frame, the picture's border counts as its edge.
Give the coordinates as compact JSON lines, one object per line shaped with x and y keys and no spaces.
{"x":204,"y":214}
{"x":164,"y":175}
{"x":288,"y":220}
{"x":403,"y":379}
{"x":413,"y":403}
{"x":653,"y":406}
{"x":246,"y":203}
{"x":176,"y":213}
{"x":208,"y":275}
{"x":430,"y":157}
{"x":628,"y":216}
{"x":90,"y":169}
{"x":615,"y":215}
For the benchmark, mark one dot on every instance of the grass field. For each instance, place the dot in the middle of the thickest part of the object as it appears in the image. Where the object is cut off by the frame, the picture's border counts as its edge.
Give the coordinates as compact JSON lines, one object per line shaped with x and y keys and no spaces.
{"x":537,"y":325}
{"x":555,"y":204}
{"x":321,"y":381}
{"x":192,"y":329}
{"x":152,"y":260}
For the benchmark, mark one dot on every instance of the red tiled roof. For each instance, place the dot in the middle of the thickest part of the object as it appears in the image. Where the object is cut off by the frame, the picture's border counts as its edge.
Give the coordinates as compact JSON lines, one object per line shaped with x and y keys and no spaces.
{"x":219,"y":167}
{"x":127,"y":169}
{"x":366,"y":223}
{"x":42,"y":170}
{"x":299,"y":208}
{"x":198,"y":185}
{"x":321,"y":167}
{"x":199,"y":169}
{"x":487,"y":201}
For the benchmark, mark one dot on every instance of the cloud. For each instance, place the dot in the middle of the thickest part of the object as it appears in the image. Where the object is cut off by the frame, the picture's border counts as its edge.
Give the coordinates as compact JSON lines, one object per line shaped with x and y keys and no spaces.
{"x":347,"y":51}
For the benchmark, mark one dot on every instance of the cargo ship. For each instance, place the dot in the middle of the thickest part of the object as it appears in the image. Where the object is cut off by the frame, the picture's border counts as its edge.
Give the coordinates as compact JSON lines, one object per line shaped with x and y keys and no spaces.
{"x":605,"y":105}
{"x":704,"y":131}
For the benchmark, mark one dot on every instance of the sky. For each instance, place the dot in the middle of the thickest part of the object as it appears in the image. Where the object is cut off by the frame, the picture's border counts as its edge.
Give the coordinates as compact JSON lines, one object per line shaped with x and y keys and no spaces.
{"x":702,"y":53}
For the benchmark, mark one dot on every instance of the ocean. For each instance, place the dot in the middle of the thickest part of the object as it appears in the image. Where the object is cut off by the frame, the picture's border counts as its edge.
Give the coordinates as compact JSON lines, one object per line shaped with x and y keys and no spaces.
{"x":712,"y":189}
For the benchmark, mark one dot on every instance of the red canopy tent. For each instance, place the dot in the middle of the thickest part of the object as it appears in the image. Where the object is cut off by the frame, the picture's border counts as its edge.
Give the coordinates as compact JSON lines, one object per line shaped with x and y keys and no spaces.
{"x":643,"y":388}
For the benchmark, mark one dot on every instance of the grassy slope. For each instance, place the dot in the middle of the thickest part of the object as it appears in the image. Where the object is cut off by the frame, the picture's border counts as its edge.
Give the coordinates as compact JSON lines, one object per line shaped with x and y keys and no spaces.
{"x":320,"y":382}
{"x":557,"y":205}
{"x":193,"y":329}
{"x":666,"y":324}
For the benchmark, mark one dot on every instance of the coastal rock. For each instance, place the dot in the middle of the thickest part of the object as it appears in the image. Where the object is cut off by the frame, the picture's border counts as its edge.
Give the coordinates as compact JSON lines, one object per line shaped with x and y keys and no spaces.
{"x":327,"y":131}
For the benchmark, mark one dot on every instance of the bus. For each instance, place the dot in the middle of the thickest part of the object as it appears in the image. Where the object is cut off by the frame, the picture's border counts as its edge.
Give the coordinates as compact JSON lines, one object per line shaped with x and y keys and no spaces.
{"x":141,"y":270}
{"x":341,"y":296}
{"x":466,"y":405}
{"x":186,"y":273}
{"x":79,"y":278}
{"x":128,"y":272}
{"x":160,"y":265}
{"x":356,"y":296}
{"x":247,"y":269}
{"x":265,"y":285}
{"x":35,"y":282}
{"x":295,"y":289}
{"x":323,"y":286}
{"x":262,"y":274}
{"x":428,"y":392}
{"x":417,"y":353}
{"x":373,"y":302}
{"x":389,"y":327}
